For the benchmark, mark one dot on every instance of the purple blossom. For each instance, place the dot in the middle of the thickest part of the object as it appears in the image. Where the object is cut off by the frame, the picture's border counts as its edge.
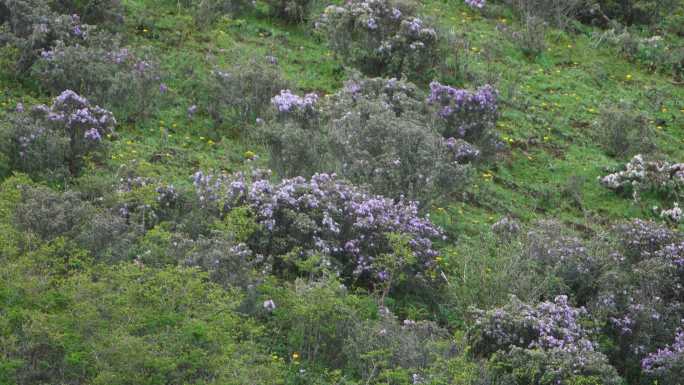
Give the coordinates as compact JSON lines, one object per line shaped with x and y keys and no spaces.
{"x":287,"y":102}
{"x":163,"y":88}
{"x":349,"y":224}
{"x":475,"y":3}
{"x":269,"y":305}
{"x":93,"y":134}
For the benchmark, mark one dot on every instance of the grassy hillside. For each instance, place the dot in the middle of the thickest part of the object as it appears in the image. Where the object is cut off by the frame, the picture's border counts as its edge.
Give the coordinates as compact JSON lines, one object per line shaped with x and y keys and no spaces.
{"x":155,"y":294}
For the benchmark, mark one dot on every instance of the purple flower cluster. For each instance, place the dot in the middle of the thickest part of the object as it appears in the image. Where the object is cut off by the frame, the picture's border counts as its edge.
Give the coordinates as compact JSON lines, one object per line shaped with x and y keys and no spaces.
{"x":335,"y":218}
{"x":476,"y":3}
{"x":462,"y":151}
{"x":287,"y":102}
{"x":546,"y":326}
{"x":455,"y":100}
{"x":72,"y":115}
{"x":666,"y":359}
{"x":466,"y":114}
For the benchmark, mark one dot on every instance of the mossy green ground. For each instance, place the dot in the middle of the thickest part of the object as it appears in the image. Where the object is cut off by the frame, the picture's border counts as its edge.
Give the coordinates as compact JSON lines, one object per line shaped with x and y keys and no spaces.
{"x":550,"y":103}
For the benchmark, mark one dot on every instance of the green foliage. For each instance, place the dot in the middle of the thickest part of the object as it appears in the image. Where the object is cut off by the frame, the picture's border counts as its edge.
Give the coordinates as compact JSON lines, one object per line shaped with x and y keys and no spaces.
{"x":134,"y":326}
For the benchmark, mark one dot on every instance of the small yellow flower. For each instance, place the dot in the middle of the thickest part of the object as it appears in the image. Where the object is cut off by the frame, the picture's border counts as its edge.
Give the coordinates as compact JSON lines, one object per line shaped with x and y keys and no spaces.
{"x":295,"y":356}
{"x":628,"y":77}
{"x":249,"y":154}
{"x":664,"y":109}
{"x":210,"y":142}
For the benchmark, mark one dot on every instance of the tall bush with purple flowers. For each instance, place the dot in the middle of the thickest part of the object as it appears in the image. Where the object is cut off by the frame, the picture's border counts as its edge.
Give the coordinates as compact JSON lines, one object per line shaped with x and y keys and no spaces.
{"x":48,"y":140}
{"x":373,"y":132}
{"x":466,"y":114}
{"x":667,"y":363}
{"x":381,"y":37}
{"x":325,"y":216}
{"x":31,"y":27}
{"x":525,"y":340}
{"x":103,"y":70}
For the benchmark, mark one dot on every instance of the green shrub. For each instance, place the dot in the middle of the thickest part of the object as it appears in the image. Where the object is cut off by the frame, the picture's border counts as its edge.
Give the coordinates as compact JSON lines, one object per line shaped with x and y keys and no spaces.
{"x":623,"y":131}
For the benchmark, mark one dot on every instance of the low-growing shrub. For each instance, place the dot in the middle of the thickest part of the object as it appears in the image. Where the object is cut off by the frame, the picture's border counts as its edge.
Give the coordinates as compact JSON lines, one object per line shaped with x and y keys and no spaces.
{"x":622,"y":131}
{"x":531,"y":38}
{"x":381,"y":37}
{"x":641,"y":175}
{"x":558,"y":13}
{"x":53,"y":141}
{"x":328,"y":223}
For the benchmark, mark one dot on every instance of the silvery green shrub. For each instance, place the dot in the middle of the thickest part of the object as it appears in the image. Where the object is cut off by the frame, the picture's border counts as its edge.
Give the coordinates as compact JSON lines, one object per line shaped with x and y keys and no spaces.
{"x":243,"y":93}
{"x":295,"y":11}
{"x":386,"y":344}
{"x":380,"y":37}
{"x":91,"y":11}
{"x":52,"y":141}
{"x":104,"y":71}
{"x":376,"y":132}
{"x":622,"y":131}
{"x":31,"y":27}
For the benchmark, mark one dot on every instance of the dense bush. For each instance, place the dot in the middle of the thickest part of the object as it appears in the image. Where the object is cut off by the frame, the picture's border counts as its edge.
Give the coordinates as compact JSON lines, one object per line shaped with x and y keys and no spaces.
{"x":53,"y":141}
{"x":667,"y":364}
{"x":103,"y":71}
{"x":127,"y":325}
{"x":386,"y":135}
{"x":91,"y":11}
{"x":622,"y":131}
{"x":558,"y":13}
{"x":381,"y":37}
{"x":296,"y":11}
{"x":31,"y":26}
{"x":329,"y":222}
{"x":542,"y":344}
{"x":468,"y":115}
{"x":243,"y":93}
{"x":636,"y":11}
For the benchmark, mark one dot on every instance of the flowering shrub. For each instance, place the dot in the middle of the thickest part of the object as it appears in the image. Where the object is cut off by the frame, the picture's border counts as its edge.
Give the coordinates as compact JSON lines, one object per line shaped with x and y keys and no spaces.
{"x":346,"y":226}
{"x":546,"y":326}
{"x":373,"y":132}
{"x":49,"y":140}
{"x":380,"y":37}
{"x":641,"y":291}
{"x":465,"y":114}
{"x":640,"y":175}
{"x":506,"y":228}
{"x":667,"y":364}
{"x":102,"y":70}
{"x":463,"y":108}
{"x":31,"y":26}
{"x":520,"y":366}
{"x":243,"y":92}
